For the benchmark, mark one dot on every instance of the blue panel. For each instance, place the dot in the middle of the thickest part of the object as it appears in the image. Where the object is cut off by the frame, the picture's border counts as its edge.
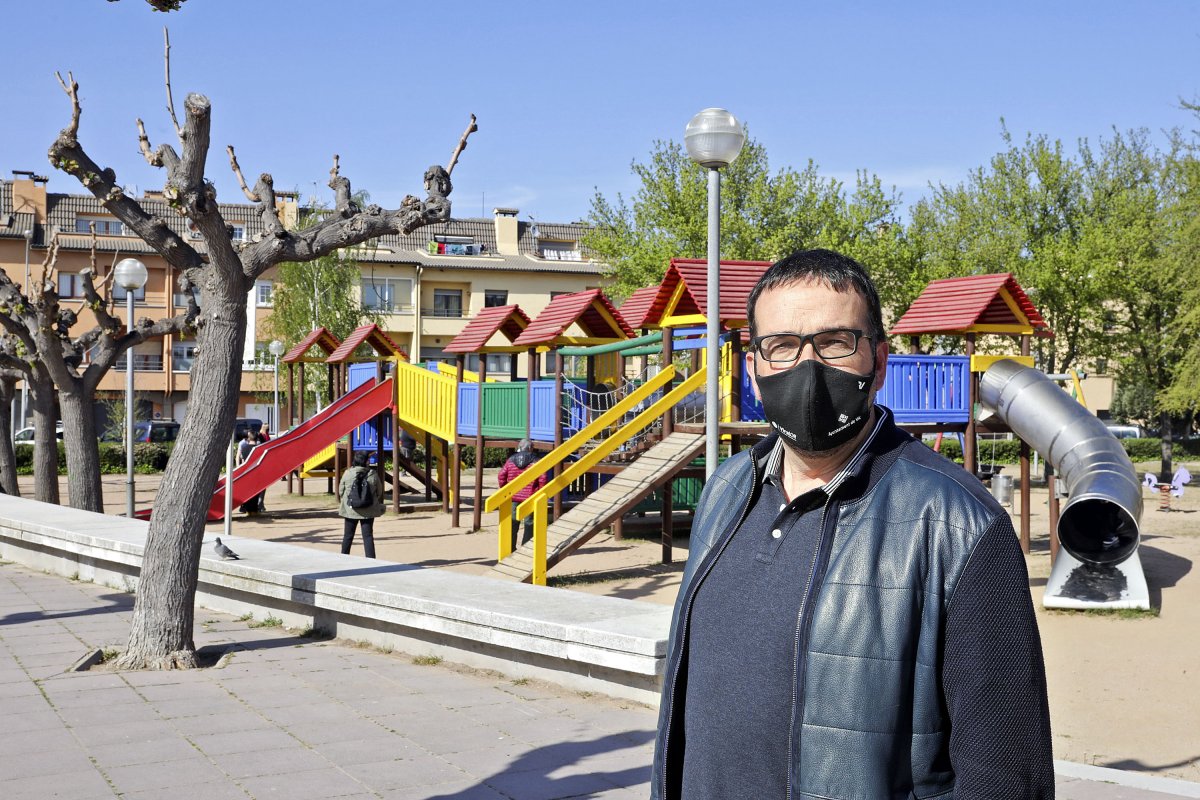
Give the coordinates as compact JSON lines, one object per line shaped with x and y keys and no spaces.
{"x":364,"y":436}
{"x":751,"y":408}
{"x":927,"y":389}
{"x":545,"y":410}
{"x":468,"y":409}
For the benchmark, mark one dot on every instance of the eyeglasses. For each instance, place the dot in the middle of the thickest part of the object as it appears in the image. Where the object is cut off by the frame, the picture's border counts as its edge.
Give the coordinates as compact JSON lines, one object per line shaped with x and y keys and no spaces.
{"x":785,"y":348}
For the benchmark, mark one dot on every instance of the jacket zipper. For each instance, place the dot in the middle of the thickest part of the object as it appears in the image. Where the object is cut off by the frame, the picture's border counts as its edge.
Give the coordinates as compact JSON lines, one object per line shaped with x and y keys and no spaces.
{"x":713,"y":555}
{"x":796,"y":644}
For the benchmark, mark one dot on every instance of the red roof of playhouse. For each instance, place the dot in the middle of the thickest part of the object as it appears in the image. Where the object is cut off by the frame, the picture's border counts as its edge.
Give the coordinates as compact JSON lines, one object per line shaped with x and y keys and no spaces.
{"x":320,"y":337}
{"x":975,"y":303}
{"x":636,"y":308}
{"x":373,"y":335}
{"x":509,"y":320}
{"x":590,"y":309}
{"x":737,"y":279}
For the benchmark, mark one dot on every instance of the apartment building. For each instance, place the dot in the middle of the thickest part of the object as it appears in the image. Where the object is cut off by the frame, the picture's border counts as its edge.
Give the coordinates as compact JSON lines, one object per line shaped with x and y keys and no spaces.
{"x":425,"y":286}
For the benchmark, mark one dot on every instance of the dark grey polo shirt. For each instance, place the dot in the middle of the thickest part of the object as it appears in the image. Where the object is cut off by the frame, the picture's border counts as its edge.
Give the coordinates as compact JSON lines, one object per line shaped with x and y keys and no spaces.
{"x":742,"y":641}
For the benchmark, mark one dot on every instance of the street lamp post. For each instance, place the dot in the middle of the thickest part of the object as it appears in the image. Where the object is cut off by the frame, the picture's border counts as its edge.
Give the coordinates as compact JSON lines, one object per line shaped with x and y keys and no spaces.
{"x":276,"y":348}
{"x":28,"y":293}
{"x":131,"y":276}
{"x":713,"y":139}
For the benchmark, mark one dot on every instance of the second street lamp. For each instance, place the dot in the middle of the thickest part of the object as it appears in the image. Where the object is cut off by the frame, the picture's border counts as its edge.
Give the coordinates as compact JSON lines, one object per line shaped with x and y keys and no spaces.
{"x":276,"y":348}
{"x":131,"y":276}
{"x":713,"y":139}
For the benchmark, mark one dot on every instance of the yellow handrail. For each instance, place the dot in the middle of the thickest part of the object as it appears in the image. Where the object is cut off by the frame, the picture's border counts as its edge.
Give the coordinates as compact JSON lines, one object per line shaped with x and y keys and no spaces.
{"x":570,"y":446}
{"x":536,"y":503}
{"x":468,"y":376}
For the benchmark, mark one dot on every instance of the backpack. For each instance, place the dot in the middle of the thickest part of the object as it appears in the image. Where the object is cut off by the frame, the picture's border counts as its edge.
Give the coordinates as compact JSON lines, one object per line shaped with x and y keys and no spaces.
{"x":360,"y":495}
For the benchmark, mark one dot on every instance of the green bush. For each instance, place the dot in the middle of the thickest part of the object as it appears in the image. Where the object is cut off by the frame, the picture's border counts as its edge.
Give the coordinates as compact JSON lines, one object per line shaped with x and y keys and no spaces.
{"x":147,"y":457}
{"x":492,"y":456}
{"x":1008,"y":451}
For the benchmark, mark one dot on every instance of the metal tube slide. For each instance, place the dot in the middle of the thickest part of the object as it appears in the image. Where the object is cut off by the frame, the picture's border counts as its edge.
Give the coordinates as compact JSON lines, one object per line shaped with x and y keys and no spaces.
{"x":1099,"y":523}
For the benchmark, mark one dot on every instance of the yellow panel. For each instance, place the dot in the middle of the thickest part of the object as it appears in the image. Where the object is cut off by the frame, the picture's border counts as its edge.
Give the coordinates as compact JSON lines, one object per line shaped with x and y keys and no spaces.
{"x":672,"y":302}
{"x":983,"y":363}
{"x":686,"y":319}
{"x":1014,"y":329}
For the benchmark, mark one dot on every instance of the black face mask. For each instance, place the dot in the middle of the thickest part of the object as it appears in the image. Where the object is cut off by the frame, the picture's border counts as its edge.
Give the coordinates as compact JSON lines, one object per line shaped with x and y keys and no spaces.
{"x":814,"y":406}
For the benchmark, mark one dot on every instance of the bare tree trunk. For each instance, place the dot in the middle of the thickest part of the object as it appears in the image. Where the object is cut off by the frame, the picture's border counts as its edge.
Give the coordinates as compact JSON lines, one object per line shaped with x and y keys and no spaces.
{"x":8,"y":458}
{"x":1165,"y":430}
{"x":84,"y":488}
{"x":45,"y":442}
{"x":161,"y":635}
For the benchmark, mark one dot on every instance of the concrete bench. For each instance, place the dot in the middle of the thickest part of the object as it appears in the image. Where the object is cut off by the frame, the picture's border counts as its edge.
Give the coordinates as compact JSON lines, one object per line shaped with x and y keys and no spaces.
{"x":582,"y":641}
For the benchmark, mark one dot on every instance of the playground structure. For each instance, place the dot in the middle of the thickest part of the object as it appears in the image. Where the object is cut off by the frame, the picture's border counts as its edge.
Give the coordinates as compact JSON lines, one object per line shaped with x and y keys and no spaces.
{"x":623,"y":432}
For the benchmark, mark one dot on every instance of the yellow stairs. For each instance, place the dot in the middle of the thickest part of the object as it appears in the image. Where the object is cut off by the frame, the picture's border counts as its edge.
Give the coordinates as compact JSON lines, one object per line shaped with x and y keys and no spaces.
{"x":606,"y":505}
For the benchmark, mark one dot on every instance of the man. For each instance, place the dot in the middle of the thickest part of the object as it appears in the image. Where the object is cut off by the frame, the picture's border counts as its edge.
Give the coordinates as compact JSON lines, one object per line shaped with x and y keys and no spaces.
{"x":854,"y":621}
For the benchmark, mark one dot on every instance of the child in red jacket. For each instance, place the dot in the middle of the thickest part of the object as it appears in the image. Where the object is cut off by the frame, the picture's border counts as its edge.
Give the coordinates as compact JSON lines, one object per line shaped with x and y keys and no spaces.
{"x":516,"y":464}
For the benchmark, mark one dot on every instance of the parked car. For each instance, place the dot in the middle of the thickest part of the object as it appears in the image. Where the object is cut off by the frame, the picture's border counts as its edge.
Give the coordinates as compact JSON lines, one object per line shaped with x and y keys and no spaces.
{"x":1126,"y":431}
{"x":244,"y":424}
{"x":156,"y":430}
{"x":25,"y":435}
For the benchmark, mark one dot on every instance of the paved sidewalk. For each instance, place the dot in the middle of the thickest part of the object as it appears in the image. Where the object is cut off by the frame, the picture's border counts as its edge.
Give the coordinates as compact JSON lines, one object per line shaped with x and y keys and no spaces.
{"x":296,"y":718}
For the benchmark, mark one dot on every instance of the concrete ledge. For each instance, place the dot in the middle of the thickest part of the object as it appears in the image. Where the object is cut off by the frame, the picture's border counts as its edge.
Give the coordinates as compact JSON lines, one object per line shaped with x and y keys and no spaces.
{"x":582,"y":641}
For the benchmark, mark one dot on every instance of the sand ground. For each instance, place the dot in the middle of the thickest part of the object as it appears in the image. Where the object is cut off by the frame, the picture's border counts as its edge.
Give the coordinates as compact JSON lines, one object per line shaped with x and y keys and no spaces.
{"x":1124,"y":690}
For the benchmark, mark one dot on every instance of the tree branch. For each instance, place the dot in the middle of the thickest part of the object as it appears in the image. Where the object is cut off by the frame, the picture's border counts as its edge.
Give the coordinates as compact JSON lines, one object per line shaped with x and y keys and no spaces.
{"x":167,"y":71}
{"x":462,"y":145}
{"x":237,"y":171}
{"x":67,"y":155}
{"x":341,"y":190}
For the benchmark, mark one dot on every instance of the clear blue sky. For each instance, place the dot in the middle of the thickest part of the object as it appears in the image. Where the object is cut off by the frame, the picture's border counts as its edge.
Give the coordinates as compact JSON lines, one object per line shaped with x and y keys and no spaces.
{"x":569,"y":93}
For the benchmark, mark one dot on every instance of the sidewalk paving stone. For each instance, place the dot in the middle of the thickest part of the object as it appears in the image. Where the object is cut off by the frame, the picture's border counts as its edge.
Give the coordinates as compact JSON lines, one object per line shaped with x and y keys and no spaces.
{"x":297,"y":718}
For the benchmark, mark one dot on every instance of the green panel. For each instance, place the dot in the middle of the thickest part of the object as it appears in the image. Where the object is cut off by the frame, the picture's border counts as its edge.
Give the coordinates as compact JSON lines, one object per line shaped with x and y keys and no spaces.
{"x":504,"y":410}
{"x":685,"y":493}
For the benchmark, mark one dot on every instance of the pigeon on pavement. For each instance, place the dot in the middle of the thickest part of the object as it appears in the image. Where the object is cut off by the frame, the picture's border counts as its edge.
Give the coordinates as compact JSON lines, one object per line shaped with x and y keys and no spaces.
{"x":224,"y":552}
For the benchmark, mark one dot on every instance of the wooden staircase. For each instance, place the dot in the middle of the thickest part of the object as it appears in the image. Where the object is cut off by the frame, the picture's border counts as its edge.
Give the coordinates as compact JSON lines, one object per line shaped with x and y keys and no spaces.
{"x":601,"y":508}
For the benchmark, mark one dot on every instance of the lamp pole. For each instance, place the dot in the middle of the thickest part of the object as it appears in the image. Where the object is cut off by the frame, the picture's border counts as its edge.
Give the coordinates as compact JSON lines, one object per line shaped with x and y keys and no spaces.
{"x":131,"y":276}
{"x":276,"y":348}
{"x":25,"y":382}
{"x":713,"y":138}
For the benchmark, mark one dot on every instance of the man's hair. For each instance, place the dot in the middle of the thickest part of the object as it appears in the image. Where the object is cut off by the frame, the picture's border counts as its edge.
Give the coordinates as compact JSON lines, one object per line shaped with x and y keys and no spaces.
{"x":251,"y":434}
{"x":837,"y":271}
{"x":360,"y":458}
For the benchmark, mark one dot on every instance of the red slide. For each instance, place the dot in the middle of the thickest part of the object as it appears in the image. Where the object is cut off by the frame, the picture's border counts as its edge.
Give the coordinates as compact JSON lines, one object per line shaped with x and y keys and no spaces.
{"x":271,"y":461}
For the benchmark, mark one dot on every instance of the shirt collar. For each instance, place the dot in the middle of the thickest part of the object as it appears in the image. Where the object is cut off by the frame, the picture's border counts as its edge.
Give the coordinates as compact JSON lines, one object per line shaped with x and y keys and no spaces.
{"x":773,"y":469}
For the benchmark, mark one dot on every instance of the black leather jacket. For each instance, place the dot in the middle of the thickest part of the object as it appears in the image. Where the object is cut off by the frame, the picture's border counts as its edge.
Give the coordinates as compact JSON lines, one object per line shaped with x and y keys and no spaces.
{"x":875,"y":715}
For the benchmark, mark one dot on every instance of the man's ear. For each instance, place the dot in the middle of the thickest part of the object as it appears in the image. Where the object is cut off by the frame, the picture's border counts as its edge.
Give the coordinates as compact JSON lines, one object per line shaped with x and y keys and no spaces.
{"x":753,"y":377}
{"x":881,"y":358}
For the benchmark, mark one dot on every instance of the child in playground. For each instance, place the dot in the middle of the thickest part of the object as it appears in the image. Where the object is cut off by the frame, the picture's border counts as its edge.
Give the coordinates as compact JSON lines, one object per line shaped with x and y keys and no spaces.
{"x":365,"y":514}
{"x":516,"y":464}
{"x":257,"y":504}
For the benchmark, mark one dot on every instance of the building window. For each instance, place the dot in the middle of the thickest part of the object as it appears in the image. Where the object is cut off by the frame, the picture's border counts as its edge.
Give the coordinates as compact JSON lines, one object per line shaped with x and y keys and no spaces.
{"x":447,"y":245}
{"x":70,"y":284}
{"x":119,"y":293}
{"x":105,"y":226}
{"x":238,"y":233}
{"x":182,"y":356}
{"x":558,"y":294}
{"x":497,"y":363}
{"x":264,"y":294}
{"x":559,"y":251}
{"x":392,"y":295}
{"x":180,"y":299}
{"x":447,"y":302}
{"x":495,"y":297}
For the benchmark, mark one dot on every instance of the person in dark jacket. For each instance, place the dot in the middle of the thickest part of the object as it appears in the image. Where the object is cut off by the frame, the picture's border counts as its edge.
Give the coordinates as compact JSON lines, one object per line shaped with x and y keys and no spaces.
{"x":854,"y":621}
{"x":258,"y":503}
{"x":516,"y":464}
{"x":354,"y":516}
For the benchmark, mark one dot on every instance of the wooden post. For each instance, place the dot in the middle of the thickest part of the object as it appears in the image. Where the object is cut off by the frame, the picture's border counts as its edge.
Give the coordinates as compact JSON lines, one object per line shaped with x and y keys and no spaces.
{"x":459,"y":366}
{"x":1026,"y":491}
{"x":331,"y":482}
{"x":914,"y":345}
{"x":969,"y":461}
{"x":668,"y":521}
{"x":444,"y":477}
{"x":558,"y":427}
{"x":291,"y":399}
{"x":737,"y":365}
{"x":1052,"y":486}
{"x":300,"y":480}
{"x":530,"y":374}
{"x":477,"y":511}
{"x":379,"y":421}
{"x":428,"y":467}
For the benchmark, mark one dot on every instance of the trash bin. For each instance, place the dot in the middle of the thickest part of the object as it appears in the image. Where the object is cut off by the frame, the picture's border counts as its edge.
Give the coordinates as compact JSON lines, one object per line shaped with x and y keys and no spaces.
{"x":1002,"y":489}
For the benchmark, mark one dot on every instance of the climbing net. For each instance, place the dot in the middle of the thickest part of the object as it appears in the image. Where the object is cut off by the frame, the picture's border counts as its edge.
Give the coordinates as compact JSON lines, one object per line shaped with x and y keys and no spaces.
{"x":582,"y":406}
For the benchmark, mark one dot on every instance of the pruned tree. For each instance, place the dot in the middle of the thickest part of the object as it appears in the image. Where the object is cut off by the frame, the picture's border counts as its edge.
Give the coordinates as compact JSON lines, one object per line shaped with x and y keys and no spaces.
{"x":41,"y":327}
{"x":8,"y":456}
{"x":161,"y":635}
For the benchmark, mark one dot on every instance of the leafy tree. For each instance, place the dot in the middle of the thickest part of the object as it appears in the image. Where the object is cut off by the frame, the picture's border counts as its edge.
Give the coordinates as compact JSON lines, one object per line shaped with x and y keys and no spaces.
{"x":1182,"y":396}
{"x":161,"y":635}
{"x":312,"y":294}
{"x":763,"y":217}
